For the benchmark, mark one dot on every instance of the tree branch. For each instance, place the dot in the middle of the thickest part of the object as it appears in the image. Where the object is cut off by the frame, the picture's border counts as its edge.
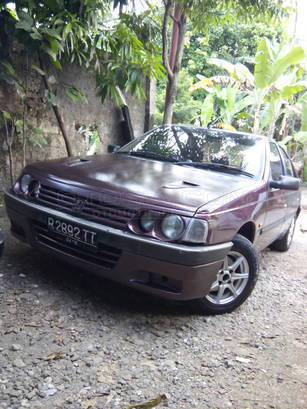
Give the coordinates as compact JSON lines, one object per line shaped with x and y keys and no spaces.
{"x":180,"y":46}
{"x":165,"y":56}
{"x":56,"y":110}
{"x":174,"y":19}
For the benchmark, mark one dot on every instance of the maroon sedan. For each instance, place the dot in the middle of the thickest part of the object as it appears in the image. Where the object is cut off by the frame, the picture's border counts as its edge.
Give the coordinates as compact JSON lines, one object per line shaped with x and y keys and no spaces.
{"x":180,"y":212}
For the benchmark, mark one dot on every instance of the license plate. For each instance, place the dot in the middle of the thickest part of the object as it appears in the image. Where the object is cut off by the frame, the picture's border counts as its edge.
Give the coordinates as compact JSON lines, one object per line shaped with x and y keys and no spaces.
{"x":72,"y":233}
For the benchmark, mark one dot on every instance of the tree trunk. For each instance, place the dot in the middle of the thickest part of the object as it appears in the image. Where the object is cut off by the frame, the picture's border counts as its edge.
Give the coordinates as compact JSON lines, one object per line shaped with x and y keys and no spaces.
{"x":170,"y":95}
{"x":56,"y":112}
{"x":257,"y":119}
{"x":172,"y":83}
{"x":9,"y":141}
{"x":271,"y":131}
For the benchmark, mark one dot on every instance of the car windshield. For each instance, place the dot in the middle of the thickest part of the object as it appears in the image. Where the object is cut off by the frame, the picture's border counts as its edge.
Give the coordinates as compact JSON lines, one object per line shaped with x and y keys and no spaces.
{"x":203,"y":148}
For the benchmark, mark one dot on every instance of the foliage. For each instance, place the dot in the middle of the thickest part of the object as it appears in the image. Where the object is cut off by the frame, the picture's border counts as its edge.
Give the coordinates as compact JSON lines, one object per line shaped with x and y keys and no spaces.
{"x":235,"y":42}
{"x":278,"y":77}
{"x":85,"y":32}
{"x":201,"y":14}
{"x":186,"y":108}
{"x":91,"y":137}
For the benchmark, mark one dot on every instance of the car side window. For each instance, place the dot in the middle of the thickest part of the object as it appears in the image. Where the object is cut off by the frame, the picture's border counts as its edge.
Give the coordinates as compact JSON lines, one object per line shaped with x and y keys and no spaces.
{"x":287,"y":163}
{"x":275,"y":162}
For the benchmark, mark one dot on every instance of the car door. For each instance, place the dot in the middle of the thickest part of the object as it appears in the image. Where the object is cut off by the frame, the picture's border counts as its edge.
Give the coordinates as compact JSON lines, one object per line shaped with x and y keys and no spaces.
{"x":292,"y":197}
{"x":276,"y":200}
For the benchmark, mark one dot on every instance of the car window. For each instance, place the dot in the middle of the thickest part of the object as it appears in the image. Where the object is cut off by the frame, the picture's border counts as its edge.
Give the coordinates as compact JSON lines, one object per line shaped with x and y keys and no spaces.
{"x":275,"y":161}
{"x":188,"y":144}
{"x":287,"y":162}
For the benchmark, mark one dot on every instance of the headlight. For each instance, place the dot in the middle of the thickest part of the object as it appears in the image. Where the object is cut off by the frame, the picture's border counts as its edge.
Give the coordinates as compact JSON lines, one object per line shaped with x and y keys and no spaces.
{"x":196,"y":232}
{"x":172,"y":226}
{"x":25,"y":182}
{"x":147,"y":221}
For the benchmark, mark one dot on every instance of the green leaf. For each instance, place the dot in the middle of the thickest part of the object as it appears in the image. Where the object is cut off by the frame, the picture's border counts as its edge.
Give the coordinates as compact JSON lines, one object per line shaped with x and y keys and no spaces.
{"x":36,"y":35}
{"x":292,"y":57}
{"x":52,"y":80}
{"x":75,"y":94}
{"x":37,"y":138}
{"x":58,"y":21}
{"x":25,"y":17}
{"x":207,"y":110}
{"x":53,"y":33}
{"x":304,"y":116}
{"x":7,"y":78}
{"x":71,"y":95}
{"x":226,"y":65}
{"x":9,"y":68}
{"x":23,"y":25}
{"x":230,"y":98}
{"x":57,"y":64}
{"x":290,"y":90}
{"x":286,"y":139}
{"x":67,"y":30}
{"x":301,"y":137}
{"x":54,"y":45}
{"x":19,"y":123}
{"x":39,"y":70}
{"x":6,"y":115}
{"x":51,"y":97}
{"x":50,"y":52}
{"x":263,"y":68}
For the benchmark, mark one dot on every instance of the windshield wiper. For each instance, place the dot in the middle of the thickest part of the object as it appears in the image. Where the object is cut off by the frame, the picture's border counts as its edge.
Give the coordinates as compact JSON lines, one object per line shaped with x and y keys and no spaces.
{"x":215,"y":166}
{"x":149,"y":155}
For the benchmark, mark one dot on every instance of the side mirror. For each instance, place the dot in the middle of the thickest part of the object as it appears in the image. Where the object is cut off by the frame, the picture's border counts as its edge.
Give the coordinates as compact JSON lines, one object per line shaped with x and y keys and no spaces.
{"x":113,"y":148}
{"x":285,"y":182}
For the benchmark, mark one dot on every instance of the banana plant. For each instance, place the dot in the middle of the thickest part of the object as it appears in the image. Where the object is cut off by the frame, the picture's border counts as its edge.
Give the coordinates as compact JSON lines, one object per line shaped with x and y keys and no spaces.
{"x":223,"y":105}
{"x":276,"y":79}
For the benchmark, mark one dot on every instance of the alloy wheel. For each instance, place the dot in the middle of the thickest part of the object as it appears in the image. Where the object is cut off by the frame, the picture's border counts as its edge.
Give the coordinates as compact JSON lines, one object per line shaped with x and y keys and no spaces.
{"x":231,"y":279}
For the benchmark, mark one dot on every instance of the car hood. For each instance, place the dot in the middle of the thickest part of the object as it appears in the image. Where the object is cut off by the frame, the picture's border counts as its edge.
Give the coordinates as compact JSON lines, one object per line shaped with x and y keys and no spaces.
{"x":149,"y":181}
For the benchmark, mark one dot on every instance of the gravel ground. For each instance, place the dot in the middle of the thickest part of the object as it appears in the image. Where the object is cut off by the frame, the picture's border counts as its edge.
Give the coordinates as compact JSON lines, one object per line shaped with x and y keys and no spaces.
{"x":73,"y":341}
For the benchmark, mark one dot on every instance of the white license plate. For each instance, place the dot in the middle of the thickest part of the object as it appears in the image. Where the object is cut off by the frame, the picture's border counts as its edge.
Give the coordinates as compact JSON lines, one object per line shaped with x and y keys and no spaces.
{"x":72,"y":233}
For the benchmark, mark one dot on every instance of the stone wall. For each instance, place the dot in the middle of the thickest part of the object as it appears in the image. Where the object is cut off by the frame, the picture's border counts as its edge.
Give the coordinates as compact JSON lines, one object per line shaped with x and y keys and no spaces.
{"x":107,"y":117}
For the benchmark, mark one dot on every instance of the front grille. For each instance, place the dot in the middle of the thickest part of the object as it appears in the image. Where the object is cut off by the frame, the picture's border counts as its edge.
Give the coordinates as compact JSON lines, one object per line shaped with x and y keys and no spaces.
{"x":105,"y":256}
{"x":87,"y":207}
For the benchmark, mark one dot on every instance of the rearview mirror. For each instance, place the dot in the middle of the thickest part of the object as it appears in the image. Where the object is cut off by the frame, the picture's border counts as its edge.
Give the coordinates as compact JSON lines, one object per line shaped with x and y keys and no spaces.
{"x":285,"y":182}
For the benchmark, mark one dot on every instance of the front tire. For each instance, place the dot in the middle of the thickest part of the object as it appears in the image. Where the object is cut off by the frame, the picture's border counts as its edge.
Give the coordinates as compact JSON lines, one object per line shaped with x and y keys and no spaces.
{"x":234,"y":281}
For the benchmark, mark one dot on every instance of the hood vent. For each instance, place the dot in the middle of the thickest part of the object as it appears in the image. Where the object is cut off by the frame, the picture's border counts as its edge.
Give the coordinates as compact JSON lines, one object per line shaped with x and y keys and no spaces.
{"x":183,"y":184}
{"x":77,"y":161}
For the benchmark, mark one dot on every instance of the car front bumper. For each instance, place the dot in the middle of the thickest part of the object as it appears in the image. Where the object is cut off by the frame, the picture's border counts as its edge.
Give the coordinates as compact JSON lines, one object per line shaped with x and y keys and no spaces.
{"x":169,"y":270}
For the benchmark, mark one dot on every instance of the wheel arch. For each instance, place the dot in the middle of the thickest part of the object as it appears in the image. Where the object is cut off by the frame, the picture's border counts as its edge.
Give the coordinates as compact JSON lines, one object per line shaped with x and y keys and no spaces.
{"x":248,"y":230}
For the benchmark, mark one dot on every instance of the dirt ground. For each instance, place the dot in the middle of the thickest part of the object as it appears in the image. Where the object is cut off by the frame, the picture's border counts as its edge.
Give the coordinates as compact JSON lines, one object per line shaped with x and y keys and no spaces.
{"x":73,"y":341}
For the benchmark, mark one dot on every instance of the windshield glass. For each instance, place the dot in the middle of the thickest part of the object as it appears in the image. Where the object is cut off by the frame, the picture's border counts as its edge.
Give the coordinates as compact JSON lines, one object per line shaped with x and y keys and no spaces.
{"x":197,"y":145}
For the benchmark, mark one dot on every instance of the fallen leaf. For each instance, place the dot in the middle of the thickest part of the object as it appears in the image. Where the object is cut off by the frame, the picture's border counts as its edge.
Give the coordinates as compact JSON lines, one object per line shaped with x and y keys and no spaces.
{"x":54,"y":355}
{"x":146,"y":405}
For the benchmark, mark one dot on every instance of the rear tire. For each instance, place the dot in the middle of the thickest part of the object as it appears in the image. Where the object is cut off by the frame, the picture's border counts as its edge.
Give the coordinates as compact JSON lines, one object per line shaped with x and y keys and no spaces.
{"x":235,"y":280}
{"x":284,"y":243}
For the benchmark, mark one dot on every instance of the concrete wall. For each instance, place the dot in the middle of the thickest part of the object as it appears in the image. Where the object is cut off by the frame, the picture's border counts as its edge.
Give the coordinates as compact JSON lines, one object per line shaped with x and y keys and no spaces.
{"x":106,"y":116}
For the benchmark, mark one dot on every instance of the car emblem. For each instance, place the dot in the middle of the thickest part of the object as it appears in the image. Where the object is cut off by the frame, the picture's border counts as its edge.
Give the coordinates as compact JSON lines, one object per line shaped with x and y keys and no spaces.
{"x":79,"y":205}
